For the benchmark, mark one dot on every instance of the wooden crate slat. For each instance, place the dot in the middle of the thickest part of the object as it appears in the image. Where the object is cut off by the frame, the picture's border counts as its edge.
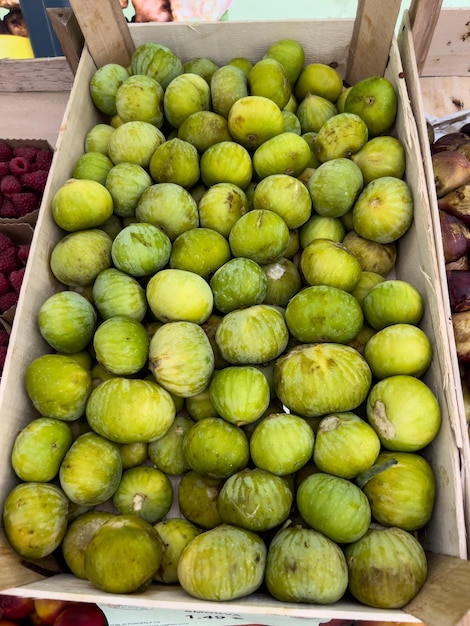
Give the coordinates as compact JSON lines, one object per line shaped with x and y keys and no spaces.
{"x":449,"y":50}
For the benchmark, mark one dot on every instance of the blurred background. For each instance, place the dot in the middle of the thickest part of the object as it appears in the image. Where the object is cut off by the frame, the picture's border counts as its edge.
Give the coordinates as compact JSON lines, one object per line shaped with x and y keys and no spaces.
{"x":26,"y":32}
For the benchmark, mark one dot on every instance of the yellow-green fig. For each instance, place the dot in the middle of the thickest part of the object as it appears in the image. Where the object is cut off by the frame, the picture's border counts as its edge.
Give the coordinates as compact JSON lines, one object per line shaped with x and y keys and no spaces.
{"x":35,"y":518}
{"x":58,"y":386}
{"x":123,"y":555}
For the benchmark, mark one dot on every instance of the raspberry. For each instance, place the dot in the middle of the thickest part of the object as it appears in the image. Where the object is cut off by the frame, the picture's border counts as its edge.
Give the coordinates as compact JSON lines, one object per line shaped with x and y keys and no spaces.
{"x":5,"y":152}
{"x":8,"y":260}
{"x":23,"y":253}
{"x":19,"y":165}
{"x":4,"y":337}
{"x":4,"y":168}
{"x":3,"y":356}
{"x":4,"y":285}
{"x":35,"y":180}
{"x":43,"y":159}
{"x":10,"y":185}
{"x":27,"y":152}
{"x":8,"y":300}
{"x":25,"y":202}
{"x":5,"y":242}
{"x":8,"y":209}
{"x":16,"y":279}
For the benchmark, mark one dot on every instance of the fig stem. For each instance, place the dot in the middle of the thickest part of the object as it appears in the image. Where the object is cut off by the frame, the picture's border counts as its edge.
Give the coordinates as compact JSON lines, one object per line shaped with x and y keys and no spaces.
{"x":369,"y":473}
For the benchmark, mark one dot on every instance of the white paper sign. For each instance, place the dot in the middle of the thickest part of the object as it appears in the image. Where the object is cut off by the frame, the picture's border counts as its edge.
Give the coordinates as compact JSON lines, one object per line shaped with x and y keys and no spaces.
{"x":133,"y":616}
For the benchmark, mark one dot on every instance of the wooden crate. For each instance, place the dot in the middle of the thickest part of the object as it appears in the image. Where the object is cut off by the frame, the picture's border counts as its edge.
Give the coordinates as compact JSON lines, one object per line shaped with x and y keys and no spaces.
{"x":443,"y":600}
{"x":439,"y":89}
{"x":33,"y":96}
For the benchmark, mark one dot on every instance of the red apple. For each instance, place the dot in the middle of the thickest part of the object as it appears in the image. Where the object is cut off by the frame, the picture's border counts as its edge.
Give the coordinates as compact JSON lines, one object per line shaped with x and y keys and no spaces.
{"x":15,"y":607}
{"x":48,"y":610}
{"x":81,"y":614}
{"x":7,"y":622}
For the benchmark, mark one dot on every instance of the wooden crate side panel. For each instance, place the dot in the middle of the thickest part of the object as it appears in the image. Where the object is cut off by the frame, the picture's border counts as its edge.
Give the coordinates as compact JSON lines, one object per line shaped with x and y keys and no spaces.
{"x":417,"y":262}
{"x":32,"y":75}
{"x":449,"y":52}
{"x":454,"y":396}
{"x":33,"y":97}
{"x":327,"y":40}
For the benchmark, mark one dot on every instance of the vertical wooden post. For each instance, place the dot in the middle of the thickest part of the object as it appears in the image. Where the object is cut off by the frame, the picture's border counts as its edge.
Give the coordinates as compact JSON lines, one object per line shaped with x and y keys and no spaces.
{"x":424,"y":15}
{"x":105,"y":30}
{"x":69,"y":35}
{"x":374,"y":30}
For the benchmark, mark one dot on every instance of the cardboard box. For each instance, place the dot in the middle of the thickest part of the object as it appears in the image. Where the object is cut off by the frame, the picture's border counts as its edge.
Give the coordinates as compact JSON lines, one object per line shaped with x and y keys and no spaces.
{"x":440,"y":94}
{"x":445,"y":536}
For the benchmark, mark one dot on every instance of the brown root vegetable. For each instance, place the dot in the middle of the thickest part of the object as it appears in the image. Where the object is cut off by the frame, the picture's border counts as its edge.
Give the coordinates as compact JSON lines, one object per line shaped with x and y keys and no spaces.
{"x":461,"y":325}
{"x":451,"y":170}
{"x":464,"y":148}
{"x":449,"y":141}
{"x":457,"y":202}
{"x":465,"y":129}
{"x":459,"y":264}
{"x":458,"y":282}
{"x":455,"y":237}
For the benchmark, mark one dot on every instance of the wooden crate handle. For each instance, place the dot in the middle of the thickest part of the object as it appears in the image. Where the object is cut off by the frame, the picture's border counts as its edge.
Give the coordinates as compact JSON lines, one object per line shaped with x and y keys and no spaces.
{"x":105,"y":30}
{"x":374,"y":29}
{"x":68,"y":33}
{"x":424,"y":15}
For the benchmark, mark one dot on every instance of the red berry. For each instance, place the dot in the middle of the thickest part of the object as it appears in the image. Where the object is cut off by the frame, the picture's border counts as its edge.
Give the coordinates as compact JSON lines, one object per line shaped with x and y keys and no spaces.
{"x":23,"y":253}
{"x":16,"y":279}
{"x":4,"y":337}
{"x":27,"y":152}
{"x":35,"y":180}
{"x":10,"y":185}
{"x":4,"y":285}
{"x":25,"y":202}
{"x":8,"y":209}
{"x":8,"y":300}
{"x":5,"y":152}
{"x":3,"y":356}
{"x":43,"y":159}
{"x":5,"y":242}
{"x":8,"y":260}
{"x":19,"y":165}
{"x":4,"y":168}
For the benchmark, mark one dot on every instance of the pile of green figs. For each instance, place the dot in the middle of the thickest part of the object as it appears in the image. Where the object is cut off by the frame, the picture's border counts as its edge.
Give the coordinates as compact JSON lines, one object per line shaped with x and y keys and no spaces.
{"x":231,"y":396}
